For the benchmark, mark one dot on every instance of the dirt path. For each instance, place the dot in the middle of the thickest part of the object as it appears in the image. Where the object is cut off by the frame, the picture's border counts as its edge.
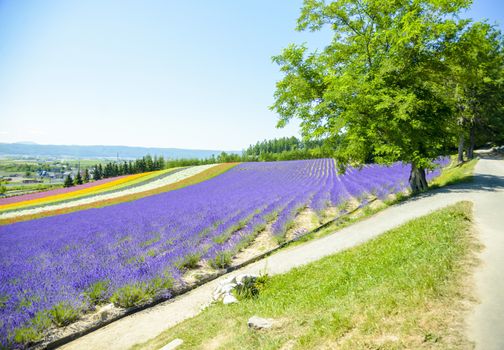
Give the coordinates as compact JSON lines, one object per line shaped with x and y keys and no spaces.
{"x":486,"y":324}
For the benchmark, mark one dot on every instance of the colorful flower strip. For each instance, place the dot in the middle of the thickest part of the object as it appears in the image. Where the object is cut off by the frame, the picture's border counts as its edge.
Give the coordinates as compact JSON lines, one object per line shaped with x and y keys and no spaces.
{"x":37,"y":195}
{"x":74,"y":194}
{"x":195,"y":179}
{"x":142,"y":181}
{"x":159,"y":182}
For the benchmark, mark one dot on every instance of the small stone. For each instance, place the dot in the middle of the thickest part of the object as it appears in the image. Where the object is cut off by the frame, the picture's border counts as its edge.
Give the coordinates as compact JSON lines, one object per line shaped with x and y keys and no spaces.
{"x":204,"y":306}
{"x":256,"y":322}
{"x":173,"y":344}
{"x":222,"y":290}
{"x":105,"y":311}
{"x":229,"y":299}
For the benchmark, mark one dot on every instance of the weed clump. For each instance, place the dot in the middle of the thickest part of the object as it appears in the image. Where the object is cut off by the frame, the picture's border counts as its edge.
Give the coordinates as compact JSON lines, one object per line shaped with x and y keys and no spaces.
{"x":250,"y":287}
{"x":63,"y":313}
{"x":221,"y":260}
{"x":139,"y":293}
{"x":33,"y":332}
{"x":189,"y":261}
{"x":97,"y":293}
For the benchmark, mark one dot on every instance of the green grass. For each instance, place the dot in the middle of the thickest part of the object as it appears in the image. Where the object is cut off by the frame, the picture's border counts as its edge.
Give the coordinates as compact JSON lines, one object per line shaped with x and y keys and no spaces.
{"x":222,"y":260}
{"x":141,"y":292}
{"x":33,"y":187}
{"x":455,"y":173}
{"x":63,"y":314}
{"x":97,"y":292}
{"x":403,"y":289}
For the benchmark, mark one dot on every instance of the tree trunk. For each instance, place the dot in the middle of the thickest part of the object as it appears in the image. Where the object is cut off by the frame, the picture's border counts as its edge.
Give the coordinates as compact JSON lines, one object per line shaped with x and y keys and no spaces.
{"x":460,"y":158}
{"x":472,"y":141}
{"x":417,"y":180}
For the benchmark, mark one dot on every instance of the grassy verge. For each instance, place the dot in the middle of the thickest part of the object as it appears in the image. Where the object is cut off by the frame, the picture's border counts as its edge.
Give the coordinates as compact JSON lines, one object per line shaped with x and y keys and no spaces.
{"x":203,"y":176}
{"x":404,"y":289}
{"x":455,"y":173}
{"x":37,"y":187}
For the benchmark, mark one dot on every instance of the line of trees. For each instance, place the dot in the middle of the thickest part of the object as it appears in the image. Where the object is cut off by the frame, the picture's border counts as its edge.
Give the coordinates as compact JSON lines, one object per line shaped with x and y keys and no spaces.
{"x":78,"y":180}
{"x":141,"y":165}
{"x":223,"y":157}
{"x":277,"y":149}
{"x":288,"y":148}
{"x":112,"y":169}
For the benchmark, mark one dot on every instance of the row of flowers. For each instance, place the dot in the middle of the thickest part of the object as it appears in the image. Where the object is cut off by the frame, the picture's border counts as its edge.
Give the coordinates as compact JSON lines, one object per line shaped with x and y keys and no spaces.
{"x":63,"y":194}
{"x":70,"y":262}
{"x":156,"y":182}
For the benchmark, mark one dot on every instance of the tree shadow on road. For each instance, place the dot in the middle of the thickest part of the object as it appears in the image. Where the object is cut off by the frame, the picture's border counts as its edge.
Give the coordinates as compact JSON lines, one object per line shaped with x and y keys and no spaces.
{"x":477,"y":183}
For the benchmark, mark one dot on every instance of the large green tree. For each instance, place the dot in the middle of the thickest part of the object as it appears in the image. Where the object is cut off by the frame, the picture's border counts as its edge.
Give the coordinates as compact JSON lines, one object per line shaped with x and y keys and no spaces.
{"x":378,"y":86}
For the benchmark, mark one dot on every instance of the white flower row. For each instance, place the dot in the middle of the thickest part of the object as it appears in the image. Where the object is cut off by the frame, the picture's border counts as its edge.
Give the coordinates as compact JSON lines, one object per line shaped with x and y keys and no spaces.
{"x":167,"y":180}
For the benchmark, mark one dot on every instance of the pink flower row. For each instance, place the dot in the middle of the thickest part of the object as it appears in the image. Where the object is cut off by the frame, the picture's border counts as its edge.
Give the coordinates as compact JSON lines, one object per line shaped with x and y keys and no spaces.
{"x":37,"y":195}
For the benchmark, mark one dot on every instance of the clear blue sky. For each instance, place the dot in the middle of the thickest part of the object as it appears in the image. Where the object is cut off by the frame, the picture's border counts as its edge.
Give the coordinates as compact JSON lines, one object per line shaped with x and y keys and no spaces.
{"x":160,"y":73}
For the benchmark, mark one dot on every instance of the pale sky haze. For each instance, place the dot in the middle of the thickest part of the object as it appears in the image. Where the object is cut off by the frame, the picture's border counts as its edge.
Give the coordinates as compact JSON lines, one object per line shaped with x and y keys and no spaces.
{"x":156,"y":73}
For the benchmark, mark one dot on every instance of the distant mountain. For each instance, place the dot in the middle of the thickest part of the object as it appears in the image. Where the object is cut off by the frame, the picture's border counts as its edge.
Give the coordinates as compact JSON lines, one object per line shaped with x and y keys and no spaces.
{"x":73,"y":151}
{"x":25,"y":143}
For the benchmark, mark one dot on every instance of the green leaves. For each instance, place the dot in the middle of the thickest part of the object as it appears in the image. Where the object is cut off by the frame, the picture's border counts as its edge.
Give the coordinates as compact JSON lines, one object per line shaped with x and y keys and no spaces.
{"x":381,"y":85}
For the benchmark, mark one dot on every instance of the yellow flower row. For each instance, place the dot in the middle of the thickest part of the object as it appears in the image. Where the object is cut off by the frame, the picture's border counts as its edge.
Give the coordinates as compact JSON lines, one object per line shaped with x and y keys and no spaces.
{"x":112,"y":185}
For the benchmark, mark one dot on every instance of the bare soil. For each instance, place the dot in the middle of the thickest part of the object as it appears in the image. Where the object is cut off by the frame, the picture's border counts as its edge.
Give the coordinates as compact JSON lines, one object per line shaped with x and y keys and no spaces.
{"x":263,"y":242}
{"x":304,"y":222}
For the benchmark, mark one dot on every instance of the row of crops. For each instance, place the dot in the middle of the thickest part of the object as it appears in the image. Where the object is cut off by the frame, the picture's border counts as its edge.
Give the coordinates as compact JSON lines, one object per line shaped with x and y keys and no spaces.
{"x":74,"y":260}
{"x":117,"y":190}
{"x":41,"y":198}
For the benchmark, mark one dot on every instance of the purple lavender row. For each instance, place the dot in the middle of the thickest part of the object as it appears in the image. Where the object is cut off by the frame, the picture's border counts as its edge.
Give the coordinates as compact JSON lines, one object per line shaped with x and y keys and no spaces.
{"x":56,"y":259}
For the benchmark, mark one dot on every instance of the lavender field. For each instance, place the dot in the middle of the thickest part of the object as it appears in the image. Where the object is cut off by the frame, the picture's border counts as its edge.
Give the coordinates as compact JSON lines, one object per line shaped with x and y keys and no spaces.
{"x":74,"y":260}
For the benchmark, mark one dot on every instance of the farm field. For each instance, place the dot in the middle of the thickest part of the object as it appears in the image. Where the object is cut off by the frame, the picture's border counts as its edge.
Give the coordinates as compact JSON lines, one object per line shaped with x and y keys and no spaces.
{"x":129,"y":252}
{"x":55,"y":195}
{"x":119,"y":187}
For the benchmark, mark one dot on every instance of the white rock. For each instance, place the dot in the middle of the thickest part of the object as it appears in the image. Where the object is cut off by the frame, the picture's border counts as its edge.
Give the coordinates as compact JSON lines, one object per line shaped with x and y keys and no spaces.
{"x":256,"y":322}
{"x":222,"y":290}
{"x":229,"y":299}
{"x":173,"y":344}
{"x":227,"y":288}
{"x":227,"y":281}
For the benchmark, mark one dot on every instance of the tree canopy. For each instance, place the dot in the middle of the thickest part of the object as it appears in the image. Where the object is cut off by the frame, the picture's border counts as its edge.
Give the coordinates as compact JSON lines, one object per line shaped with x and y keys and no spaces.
{"x":68,"y":181}
{"x":380,"y":86}
{"x":476,"y":75}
